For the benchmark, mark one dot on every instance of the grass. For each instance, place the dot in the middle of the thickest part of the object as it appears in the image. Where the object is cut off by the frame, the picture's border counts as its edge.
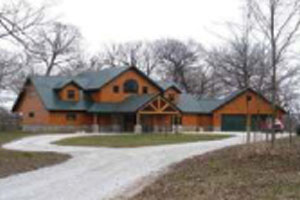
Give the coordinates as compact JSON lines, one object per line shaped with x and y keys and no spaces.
{"x":13,"y":162}
{"x":137,"y":140}
{"x":249,"y":172}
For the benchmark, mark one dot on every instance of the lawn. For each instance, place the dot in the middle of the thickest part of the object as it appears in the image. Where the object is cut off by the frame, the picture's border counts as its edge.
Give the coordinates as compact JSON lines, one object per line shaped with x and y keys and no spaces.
{"x":138,"y":140}
{"x":13,"y":162}
{"x":249,"y":172}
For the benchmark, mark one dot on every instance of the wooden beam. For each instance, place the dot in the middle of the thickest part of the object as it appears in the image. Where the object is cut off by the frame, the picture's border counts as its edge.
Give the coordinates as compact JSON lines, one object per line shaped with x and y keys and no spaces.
{"x":159,"y":113}
{"x":154,"y":108}
{"x":159,"y":102}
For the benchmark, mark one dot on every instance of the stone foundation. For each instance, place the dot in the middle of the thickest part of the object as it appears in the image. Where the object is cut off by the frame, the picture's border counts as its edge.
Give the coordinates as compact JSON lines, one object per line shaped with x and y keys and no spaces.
{"x":56,"y":129}
{"x":217,"y":129}
{"x":196,"y":128}
{"x":115,"y":129}
{"x":95,"y":128}
{"x":138,"y":129}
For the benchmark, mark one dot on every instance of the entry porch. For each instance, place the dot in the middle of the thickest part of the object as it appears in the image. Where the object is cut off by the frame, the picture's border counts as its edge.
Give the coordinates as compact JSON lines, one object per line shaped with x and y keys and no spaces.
{"x":158,"y":115}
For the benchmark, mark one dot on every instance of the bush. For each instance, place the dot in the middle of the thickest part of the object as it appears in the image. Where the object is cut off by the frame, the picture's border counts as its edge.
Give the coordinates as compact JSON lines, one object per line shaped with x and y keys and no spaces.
{"x":298,"y":130}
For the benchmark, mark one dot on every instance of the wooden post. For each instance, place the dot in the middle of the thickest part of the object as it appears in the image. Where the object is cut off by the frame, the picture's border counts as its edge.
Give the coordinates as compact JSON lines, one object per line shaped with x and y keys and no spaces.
{"x":95,"y":124}
{"x":95,"y":119}
{"x":138,"y":118}
{"x":248,"y":99}
{"x":138,"y":126}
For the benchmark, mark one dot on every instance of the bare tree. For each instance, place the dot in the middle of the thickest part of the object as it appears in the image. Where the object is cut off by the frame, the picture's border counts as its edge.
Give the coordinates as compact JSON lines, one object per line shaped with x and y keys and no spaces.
{"x":82,"y":64}
{"x":240,"y":65}
{"x":176,"y":58}
{"x":202,"y":81}
{"x":122,"y":54}
{"x":139,"y":54}
{"x":55,"y":47}
{"x":9,"y":66}
{"x":18,"y":20}
{"x":279,"y":22}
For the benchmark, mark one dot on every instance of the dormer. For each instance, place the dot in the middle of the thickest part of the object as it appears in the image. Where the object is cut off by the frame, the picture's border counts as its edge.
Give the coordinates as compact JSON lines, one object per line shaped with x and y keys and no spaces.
{"x":69,"y":91}
{"x":172,"y":94}
{"x":171,"y":91}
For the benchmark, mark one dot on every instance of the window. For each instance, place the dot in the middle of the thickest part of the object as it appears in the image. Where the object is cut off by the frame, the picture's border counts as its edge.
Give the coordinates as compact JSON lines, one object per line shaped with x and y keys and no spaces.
{"x":249,"y":98}
{"x":131,"y":86}
{"x":145,"y":90}
{"x":176,"y":120}
{"x":71,"y":94}
{"x":171,"y":97}
{"x":116,"y":89}
{"x":71,"y":116}
{"x":31,"y":114}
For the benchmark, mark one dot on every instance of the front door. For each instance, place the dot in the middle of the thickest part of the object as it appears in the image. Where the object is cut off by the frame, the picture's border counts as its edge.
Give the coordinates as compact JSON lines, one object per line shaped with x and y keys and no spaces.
{"x":129,"y":122}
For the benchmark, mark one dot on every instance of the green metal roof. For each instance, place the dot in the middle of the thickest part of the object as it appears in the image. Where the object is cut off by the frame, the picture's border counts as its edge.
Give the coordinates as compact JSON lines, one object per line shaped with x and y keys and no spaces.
{"x":45,"y":87}
{"x":95,"y":80}
{"x":190,"y":104}
{"x":187,"y":103}
{"x":47,"y":90}
{"x":131,"y":104}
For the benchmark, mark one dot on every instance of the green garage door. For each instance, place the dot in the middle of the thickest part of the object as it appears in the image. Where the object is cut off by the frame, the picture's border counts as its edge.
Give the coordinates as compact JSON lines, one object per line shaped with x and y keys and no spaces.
{"x":233,"y":122}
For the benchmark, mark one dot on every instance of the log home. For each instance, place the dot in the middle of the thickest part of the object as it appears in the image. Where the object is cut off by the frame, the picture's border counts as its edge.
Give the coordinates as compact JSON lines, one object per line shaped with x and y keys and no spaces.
{"x":126,"y":100}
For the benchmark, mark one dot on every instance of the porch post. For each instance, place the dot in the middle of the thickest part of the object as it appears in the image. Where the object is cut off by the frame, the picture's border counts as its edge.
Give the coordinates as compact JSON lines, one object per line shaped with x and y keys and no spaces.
{"x":179,"y":126}
{"x":138,"y":126}
{"x":95,"y":125}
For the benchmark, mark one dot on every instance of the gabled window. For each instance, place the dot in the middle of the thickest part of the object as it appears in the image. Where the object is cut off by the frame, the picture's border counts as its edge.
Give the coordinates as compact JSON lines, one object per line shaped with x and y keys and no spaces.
{"x":116,"y":89}
{"x":71,"y":94}
{"x":131,"y":86}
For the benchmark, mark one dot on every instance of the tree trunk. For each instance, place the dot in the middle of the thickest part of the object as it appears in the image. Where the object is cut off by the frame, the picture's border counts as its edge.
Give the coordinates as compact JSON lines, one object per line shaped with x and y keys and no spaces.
{"x":274,"y":63}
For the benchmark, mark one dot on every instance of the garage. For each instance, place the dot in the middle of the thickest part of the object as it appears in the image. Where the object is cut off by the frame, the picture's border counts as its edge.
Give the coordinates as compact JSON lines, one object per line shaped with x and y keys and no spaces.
{"x":234,"y":122}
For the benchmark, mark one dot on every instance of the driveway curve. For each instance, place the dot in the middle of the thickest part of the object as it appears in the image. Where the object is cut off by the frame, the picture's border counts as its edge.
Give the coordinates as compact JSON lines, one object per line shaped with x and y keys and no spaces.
{"x":95,"y":173}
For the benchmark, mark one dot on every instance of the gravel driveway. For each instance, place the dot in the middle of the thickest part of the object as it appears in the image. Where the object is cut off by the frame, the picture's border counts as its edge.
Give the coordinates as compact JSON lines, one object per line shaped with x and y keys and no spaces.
{"x":95,"y":173}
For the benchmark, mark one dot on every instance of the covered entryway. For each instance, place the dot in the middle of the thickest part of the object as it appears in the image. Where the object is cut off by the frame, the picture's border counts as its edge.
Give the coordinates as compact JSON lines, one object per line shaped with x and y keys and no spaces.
{"x":159,"y":115}
{"x":234,"y":122}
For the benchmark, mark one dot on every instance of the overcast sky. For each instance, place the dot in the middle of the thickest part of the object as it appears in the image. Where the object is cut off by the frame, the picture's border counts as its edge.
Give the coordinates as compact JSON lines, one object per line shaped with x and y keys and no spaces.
{"x":105,"y":21}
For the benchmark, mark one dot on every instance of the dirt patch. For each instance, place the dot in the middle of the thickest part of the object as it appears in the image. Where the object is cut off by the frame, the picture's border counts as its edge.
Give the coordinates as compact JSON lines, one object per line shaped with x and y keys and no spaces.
{"x":14,"y":162}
